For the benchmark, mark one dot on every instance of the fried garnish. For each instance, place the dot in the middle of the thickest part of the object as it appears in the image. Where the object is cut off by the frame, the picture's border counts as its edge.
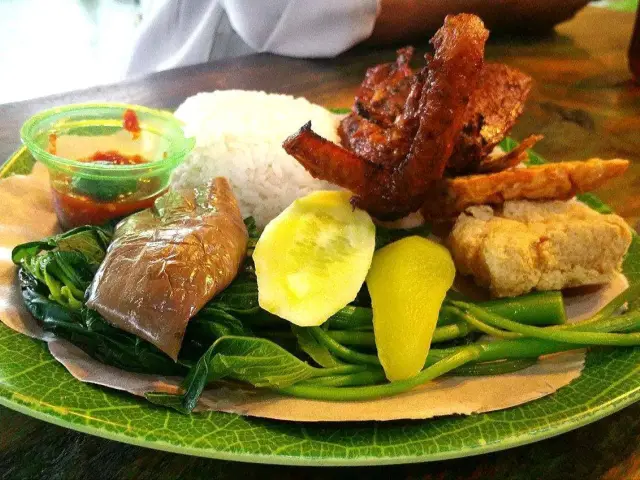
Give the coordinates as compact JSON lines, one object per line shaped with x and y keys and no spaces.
{"x":397,"y":186}
{"x":494,"y":108}
{"x":553,"y":181}
{"x":497,"y":163}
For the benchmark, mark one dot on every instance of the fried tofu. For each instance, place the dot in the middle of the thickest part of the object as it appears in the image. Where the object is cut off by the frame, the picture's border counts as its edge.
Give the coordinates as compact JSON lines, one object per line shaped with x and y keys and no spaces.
{"x":528,"y":246}
{"x":552,"y":181}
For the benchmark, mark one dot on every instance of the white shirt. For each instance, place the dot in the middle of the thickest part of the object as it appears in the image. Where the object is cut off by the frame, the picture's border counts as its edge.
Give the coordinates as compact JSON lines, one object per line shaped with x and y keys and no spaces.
{"x":184,"y":32}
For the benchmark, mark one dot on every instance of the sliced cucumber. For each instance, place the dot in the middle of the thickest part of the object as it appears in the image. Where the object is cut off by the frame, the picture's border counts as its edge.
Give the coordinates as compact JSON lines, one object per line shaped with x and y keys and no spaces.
{"x":312,"y":259}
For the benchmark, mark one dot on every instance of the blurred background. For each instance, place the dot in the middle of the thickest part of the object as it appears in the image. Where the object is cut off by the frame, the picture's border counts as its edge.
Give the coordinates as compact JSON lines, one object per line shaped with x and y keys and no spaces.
{"x":52,"y":46}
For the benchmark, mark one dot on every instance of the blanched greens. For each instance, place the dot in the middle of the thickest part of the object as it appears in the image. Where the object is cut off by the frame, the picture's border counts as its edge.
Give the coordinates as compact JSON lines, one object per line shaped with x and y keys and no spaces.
{"x":232,"y":339}
{"x":65,"y":263}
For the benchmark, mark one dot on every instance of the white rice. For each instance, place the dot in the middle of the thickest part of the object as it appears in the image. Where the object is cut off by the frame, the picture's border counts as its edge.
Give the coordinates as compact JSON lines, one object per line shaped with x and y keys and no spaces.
{"x":239,"y":135}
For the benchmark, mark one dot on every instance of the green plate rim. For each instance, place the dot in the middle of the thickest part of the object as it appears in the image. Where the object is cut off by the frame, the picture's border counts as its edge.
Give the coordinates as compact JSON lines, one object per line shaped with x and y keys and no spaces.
{"x":273,"y":459}
{"x":22,"y":162}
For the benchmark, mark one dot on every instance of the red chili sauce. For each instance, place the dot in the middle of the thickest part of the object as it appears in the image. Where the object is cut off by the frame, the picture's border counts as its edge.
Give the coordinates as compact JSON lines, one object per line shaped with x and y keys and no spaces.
{"x":131,"y":123}
{"x":76,"y":210}
{"x":80,"y":201}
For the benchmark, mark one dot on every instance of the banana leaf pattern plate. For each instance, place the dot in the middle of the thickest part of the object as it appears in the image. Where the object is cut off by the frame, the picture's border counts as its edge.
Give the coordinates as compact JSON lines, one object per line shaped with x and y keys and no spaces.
{"x":33,"y":383}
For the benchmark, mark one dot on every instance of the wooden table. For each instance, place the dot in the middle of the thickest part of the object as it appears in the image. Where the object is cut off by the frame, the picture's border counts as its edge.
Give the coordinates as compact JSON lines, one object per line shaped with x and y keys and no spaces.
{"x":584,"y":104}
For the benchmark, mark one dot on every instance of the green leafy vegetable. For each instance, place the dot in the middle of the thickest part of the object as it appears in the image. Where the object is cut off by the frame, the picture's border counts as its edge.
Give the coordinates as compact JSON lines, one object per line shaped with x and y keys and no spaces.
{"x":104,"y":190}
{"x":65,"y":263}
{"x":253,"y":232}
{"x":86,"y":329}
{"x":241,"y":297}
{"x":312,"y":347}
{"x":494,"y":368}
{"x":90,"y":241}
{"x":257,"y":361}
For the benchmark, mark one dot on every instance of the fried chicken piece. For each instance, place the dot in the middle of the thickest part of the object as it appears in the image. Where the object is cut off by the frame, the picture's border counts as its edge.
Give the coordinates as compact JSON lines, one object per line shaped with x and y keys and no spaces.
{"x":382,"y":146}
{"x":553,"y":181}
{"x":538,"y":246}
{"x":391,"y":190}
{"x":380,"y":130}
{"x":326,"y":160}
{"x":494,"y":108}
{"x":390,"y":145}
{"x":497,"y":163}
{"x":382,"y":94}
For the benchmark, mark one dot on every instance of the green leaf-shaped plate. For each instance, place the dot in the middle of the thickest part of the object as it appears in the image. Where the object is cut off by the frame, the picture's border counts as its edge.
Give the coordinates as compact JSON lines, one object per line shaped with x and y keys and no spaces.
{"x":32,"y":382}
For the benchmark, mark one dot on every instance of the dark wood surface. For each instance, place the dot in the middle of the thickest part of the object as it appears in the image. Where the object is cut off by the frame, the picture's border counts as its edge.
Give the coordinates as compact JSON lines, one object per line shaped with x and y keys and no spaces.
{"x":585,"y":105}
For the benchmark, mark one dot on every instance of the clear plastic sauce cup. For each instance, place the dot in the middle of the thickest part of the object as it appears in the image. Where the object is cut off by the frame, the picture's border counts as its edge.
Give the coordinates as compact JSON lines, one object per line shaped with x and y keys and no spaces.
{"x":105,"y":161}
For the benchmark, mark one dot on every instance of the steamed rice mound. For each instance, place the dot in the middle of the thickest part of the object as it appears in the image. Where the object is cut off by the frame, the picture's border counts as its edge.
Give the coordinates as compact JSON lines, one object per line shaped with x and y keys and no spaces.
{"x":239,"y":136}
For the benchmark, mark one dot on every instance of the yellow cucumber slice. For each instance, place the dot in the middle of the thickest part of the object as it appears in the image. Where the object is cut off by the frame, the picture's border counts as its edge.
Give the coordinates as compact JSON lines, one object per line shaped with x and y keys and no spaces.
{"x":312,"y":259}
{"x":407,"y":282}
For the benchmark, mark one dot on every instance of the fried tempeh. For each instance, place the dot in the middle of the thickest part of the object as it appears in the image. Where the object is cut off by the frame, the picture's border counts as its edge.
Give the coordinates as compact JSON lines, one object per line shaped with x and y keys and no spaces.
{"x":554,"y":181}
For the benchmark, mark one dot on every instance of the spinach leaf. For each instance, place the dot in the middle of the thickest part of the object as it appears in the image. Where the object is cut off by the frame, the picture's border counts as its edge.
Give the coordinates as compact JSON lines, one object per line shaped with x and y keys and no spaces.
{"x":593,"y":202}
{"x":534,"y":159}
{"x":91,"y":241}
{"x":208,"y":326}
{"x":507,"y":144}
{"x":253,"y":231}
{"x":240,"y":297}
{"x":66,"y":274}
{"x":88,"y":330}
{"x":257,"y":361}
{"x":351,"y":318}
{"x":65,"y":263}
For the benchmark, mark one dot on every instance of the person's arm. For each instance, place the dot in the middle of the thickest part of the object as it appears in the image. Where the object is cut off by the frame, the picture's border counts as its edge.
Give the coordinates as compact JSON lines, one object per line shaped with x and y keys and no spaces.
{"x":300,"y":28}
{"x":405,"y":20}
